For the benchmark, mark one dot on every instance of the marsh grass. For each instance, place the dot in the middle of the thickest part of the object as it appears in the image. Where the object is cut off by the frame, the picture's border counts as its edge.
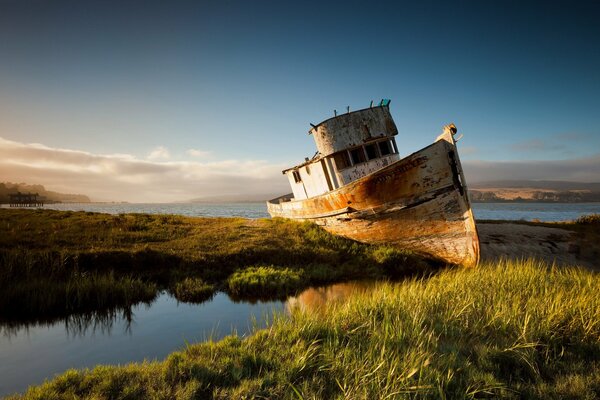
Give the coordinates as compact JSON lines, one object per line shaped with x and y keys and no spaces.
{"x":46,"y":253}
{"x":265,"y":282}
{"x":511,"y":330}
{"x":193,"y":290}
{"x":591,"y":219}
{"x":398,"y":263}
{"x":59,"y":241}
{"x":515,"y":329}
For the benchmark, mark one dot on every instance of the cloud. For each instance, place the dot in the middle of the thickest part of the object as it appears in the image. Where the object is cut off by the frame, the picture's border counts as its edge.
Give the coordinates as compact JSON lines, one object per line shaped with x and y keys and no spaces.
{"x":586,"y":169}
{"x":468,"y":150}
{"x":125,"y":177}
{"x":560,"y":143}
{"x":159,"y":153}
{"x":198,"y":153}
{"x":573,"y":136}
{"x":536,"y":145}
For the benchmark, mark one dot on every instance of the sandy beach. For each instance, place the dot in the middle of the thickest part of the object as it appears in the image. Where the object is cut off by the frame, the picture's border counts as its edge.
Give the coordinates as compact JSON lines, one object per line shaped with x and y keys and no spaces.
{"x":516,"y":240}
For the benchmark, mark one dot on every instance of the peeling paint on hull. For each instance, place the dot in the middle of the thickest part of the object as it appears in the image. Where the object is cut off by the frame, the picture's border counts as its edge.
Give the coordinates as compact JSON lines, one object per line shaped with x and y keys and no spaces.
{"x":418,"y":203}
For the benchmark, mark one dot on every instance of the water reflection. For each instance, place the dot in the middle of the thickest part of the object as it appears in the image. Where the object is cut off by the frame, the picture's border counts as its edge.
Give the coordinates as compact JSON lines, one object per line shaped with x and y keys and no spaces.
{"x":32,"y":352}
{"x":76,"y":324}
{"x":314,"y":299}
{"x":103,"y":321}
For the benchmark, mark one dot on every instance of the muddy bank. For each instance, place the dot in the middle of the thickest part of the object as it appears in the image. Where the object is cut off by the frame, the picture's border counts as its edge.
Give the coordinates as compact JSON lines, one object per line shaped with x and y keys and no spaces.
{"x":565,"y":244}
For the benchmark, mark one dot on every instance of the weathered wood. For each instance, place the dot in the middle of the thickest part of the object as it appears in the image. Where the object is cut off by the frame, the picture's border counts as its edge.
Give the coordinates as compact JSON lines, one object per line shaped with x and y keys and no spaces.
{"x":418,"y":203}
{"x":353,"y":129}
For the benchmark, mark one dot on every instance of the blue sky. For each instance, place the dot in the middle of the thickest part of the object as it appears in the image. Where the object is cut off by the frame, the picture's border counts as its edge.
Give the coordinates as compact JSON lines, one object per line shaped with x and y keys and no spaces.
{"x":241,"y":81}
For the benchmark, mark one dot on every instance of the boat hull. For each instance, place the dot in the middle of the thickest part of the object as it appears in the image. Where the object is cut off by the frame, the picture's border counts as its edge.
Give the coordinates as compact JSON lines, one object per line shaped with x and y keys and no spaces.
{"x":418,"y":203}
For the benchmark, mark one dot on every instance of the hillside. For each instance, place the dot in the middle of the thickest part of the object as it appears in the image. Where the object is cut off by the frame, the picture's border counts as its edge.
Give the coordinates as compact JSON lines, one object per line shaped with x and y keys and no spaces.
{"x":535,"y":191}
{"x":47,"y":196}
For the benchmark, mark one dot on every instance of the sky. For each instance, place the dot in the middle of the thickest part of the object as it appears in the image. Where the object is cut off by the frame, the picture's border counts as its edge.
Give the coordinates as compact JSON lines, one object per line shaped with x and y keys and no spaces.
{"x":152,"y":101}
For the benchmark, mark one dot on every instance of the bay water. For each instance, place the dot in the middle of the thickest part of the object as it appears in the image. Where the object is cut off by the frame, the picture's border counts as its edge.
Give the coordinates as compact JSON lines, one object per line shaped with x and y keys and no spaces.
{"x":549,"y":212}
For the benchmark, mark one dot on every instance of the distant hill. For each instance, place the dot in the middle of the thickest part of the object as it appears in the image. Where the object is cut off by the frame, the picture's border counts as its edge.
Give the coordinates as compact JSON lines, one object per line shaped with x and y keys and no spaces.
{"x":47,"y":196}
{"x":550,"y":185}
{"x":535,"y":191}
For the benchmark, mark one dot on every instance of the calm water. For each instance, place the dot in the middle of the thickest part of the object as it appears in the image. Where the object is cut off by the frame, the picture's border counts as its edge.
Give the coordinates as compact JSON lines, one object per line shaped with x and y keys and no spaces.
{"x":509,"y":211}
{"x":245,"y":210}
{"x":550,"y":212}
{"x":30,"y":355}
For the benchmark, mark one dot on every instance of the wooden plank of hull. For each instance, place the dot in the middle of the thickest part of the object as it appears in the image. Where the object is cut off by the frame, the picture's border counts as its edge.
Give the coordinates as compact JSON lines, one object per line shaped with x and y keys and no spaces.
{"x":418,"y":203}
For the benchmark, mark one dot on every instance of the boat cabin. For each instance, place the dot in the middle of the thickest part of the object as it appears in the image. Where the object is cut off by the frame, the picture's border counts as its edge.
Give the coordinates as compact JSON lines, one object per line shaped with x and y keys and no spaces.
{"x":349,"y":146}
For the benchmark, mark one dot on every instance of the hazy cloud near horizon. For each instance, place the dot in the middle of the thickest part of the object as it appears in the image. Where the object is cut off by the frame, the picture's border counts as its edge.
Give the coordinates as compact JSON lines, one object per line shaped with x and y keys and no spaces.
{"x":585,"y":169}
{"x":124,"y":177}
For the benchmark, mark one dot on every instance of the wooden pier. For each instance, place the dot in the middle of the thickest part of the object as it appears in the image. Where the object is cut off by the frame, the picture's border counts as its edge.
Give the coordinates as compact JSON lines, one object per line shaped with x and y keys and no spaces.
{"x":25,"y":200}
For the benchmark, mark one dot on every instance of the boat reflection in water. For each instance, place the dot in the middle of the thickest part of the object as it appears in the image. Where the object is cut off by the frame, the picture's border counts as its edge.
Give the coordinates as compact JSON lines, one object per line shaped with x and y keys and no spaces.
{"x":315,"y":299}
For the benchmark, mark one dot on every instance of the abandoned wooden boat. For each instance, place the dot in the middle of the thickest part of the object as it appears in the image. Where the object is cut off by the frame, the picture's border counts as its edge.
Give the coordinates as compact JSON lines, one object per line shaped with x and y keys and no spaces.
{"x":358,"y":186}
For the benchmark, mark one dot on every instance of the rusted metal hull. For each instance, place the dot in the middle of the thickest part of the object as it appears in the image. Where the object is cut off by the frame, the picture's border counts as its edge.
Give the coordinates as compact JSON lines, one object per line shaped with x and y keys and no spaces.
{"x":418,"y":203}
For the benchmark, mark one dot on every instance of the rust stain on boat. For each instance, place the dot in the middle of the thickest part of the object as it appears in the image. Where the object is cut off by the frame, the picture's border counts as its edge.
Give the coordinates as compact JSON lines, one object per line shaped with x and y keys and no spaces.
{"x":418,"y":202}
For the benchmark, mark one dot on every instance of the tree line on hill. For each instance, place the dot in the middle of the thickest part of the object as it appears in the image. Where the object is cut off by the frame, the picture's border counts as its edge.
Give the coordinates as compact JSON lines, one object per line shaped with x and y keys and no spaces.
{"x":537,"y":196}
{"x":48,"y":196}
{"x":534,"y":191}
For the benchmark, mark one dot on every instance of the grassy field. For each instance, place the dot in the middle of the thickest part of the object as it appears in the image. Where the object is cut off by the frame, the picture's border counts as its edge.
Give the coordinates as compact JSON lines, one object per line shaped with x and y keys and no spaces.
{"x":511,"y":330}
{"x":57,"y":264}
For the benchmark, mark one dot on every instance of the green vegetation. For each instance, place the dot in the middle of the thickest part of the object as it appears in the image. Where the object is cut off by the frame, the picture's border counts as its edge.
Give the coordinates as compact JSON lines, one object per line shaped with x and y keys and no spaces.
{"x":193,"y":290}
{"x":258,"y":282}
{"x":518,"y":329}
{"x":56,"y":264}
{"x":513,"y":330}
{"x":397,"y":262}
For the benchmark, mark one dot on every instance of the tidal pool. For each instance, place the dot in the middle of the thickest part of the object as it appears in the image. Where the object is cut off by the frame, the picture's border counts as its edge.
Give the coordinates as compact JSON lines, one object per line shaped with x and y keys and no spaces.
{"x":29,"y":354}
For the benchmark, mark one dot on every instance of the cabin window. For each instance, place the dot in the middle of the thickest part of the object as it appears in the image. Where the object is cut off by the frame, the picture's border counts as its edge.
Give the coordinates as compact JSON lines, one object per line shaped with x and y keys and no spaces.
{"x":341,"y":160}
{"x":385,"y":148}
{"x":297,"y":178}
{"x":357,"y":155}
{"x":371,"y":150}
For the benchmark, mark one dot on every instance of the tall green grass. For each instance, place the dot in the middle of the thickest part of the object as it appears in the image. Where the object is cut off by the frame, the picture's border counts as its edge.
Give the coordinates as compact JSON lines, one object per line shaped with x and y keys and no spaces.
{"x":265,"y":281}
{"x":511,"y":330}
{"x":193,"y":290}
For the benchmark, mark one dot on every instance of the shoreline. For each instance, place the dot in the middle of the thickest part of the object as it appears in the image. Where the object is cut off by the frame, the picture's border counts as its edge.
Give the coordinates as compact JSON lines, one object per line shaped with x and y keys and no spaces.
{"x":554,"y":243}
